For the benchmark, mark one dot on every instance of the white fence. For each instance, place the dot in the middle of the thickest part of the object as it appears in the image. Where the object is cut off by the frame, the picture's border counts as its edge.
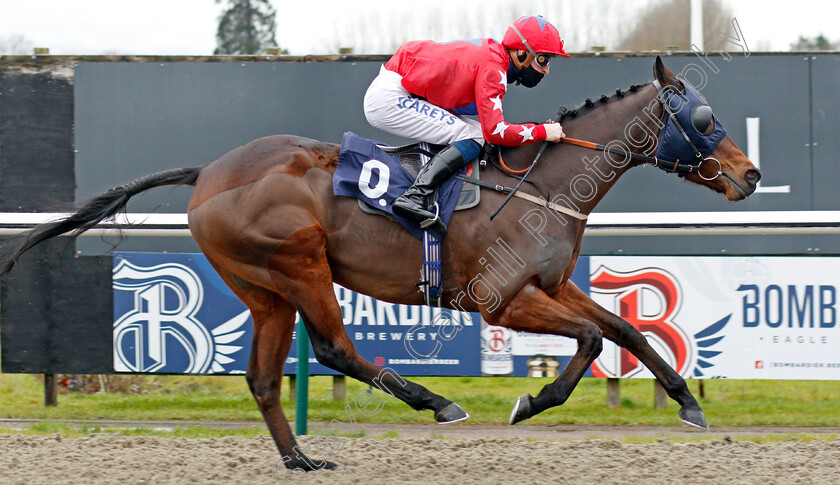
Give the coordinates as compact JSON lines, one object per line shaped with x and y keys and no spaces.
{"x":599,"y":224}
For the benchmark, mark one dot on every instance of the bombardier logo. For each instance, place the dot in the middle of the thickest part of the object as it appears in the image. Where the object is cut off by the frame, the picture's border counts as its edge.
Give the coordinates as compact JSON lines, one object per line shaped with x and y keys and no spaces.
{"x":650,"y":300}
{"x":161,"y":332}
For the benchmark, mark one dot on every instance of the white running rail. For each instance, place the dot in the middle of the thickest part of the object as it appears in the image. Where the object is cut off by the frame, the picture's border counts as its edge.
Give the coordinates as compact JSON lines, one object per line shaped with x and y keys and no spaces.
{"x":599,"y":224}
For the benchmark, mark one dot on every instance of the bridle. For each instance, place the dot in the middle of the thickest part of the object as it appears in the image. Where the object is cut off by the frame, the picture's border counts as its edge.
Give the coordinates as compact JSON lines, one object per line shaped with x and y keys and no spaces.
{"x":674,"y":166}
{"x":681,"y":168}
{"x":677,"y":166}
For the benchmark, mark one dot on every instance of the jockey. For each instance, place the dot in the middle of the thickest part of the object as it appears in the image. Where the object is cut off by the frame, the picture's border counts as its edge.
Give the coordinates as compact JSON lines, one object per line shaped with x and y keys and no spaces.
{"x":426,"y":87}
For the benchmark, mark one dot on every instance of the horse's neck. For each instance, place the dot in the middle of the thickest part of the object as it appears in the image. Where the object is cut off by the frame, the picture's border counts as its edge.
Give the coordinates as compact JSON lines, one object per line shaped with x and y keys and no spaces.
{"x":584,"y":176}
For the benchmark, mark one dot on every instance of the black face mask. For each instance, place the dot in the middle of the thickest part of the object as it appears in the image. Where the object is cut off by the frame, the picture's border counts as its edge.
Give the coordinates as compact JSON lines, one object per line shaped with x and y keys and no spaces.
{"x":529,"y":77}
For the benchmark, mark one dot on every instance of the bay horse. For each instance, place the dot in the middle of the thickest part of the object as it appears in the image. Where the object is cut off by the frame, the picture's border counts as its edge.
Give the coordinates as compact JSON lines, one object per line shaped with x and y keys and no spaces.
{"x":266,"y":217}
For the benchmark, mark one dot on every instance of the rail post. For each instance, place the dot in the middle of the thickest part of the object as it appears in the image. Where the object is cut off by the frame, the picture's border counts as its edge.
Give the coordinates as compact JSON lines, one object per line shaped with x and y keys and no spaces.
{"x":613,"y":392}
{"x":50,"y":391}
{"x":339,"y":388}
{"x":660,"y":398}
{"x":292,"y":388}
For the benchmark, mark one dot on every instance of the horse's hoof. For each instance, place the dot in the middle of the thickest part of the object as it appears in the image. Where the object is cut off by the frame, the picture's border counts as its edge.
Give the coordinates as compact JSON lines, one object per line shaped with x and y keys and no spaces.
{"x":451,"y":414}
{"x":694,"y":417}
{"x":305,"y":465}
{"x":521,"y":410}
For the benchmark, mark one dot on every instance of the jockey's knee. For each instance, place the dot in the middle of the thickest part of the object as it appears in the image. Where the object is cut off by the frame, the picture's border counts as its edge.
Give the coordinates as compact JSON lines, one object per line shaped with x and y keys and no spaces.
{"x":469,"y":149}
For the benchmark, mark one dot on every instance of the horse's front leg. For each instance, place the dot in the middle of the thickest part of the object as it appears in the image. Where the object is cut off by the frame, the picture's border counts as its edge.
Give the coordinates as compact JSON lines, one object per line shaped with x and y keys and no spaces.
{"x":626,"y":335}
{"x":532,"y":310}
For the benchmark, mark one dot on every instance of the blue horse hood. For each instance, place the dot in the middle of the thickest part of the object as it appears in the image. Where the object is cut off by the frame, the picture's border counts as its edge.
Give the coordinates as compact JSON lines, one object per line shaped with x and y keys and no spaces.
{"x":673,"y":146}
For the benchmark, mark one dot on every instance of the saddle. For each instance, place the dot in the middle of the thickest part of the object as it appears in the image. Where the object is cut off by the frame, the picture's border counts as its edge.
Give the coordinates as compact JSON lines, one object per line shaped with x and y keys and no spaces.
{"x":412,"y":157}
{"x":376,"y":174}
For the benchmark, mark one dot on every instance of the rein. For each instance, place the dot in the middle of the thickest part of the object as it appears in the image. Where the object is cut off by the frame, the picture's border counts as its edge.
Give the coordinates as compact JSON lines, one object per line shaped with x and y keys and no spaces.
{"x":673,"y":167}
{"x":508,"y":169}
{"x":666,"y":165}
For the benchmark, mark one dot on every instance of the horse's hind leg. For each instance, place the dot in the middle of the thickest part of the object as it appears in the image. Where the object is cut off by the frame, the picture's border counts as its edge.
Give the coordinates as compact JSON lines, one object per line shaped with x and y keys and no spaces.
{"x":300,"y":272}
{"x":532,"y":310}
{"x":626,"y":335}
{"x":274,"y":322}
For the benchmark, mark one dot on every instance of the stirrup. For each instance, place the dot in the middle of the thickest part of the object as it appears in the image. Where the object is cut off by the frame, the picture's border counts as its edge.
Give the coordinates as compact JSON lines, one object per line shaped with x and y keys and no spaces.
{"x":432,"y":220}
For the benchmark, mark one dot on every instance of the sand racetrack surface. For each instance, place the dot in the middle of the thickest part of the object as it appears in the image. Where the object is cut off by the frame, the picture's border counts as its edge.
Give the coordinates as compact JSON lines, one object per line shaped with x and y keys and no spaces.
{"x":113,"y":459}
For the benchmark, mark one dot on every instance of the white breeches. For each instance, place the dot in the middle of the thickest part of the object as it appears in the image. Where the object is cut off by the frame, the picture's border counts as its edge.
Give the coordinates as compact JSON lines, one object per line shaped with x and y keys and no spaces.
{"x":389,"y":107}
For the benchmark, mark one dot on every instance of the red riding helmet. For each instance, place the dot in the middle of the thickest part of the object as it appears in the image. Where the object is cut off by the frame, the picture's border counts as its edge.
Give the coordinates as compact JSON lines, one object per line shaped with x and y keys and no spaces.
{"x":537,"y":36}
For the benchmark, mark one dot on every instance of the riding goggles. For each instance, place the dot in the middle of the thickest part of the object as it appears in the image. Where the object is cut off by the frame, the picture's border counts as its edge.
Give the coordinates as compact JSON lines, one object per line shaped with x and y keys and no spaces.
{"x":542,"y":60}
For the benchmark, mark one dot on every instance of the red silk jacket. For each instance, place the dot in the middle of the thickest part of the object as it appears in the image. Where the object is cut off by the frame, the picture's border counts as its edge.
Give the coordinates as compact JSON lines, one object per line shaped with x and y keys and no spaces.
{"x":465,"y":77}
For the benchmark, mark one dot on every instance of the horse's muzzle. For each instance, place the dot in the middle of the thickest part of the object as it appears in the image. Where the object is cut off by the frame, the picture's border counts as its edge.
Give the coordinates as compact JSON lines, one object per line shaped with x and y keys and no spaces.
{"x":745,"y":186}
{"x":752,"y":176}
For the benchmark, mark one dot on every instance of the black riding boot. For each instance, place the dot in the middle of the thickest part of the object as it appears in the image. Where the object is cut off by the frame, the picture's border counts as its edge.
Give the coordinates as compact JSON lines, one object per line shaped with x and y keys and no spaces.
{"x":415,"y":202}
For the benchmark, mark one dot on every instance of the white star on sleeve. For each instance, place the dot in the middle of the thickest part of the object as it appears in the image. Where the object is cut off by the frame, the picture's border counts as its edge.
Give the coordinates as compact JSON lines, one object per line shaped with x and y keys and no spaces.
{"x":503,"y":81}
{"x":500,"y":129}
{"x":497,"y":102}
{"x":526,"y":134}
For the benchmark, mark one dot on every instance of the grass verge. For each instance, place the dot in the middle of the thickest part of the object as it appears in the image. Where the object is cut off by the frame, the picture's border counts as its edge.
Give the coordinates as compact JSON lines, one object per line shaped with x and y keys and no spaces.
{"x":488,"y":400}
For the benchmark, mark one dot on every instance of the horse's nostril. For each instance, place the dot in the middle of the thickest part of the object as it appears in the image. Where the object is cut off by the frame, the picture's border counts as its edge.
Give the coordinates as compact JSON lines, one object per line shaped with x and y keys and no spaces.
{"x":752,"y":176}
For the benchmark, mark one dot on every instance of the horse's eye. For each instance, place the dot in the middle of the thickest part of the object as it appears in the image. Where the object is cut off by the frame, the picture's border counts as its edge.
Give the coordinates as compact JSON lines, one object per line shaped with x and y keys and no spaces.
{"x":702,"y":119}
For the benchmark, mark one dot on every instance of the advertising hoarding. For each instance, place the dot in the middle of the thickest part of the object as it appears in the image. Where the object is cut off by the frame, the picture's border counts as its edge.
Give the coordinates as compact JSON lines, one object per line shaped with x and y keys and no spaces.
{"x":708,"y":317}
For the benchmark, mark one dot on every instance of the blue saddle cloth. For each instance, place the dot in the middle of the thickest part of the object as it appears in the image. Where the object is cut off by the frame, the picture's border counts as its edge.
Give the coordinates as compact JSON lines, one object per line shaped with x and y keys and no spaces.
{"x":368,"y":173}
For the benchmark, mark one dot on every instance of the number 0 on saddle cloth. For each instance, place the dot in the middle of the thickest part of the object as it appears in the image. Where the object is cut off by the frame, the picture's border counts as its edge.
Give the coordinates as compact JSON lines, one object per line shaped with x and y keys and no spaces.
{"x":368,"y":173}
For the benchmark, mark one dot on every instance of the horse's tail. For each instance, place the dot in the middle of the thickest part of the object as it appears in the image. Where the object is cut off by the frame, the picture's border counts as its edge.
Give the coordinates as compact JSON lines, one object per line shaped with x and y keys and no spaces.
{"x":95,"y":211}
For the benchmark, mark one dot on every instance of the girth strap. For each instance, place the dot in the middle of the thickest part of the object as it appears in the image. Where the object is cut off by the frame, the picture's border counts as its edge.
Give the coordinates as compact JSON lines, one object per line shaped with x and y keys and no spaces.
{"x":430,"y":283}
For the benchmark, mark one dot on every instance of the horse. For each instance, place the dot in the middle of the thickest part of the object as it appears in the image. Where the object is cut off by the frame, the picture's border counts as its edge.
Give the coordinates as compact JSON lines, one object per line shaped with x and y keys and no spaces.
{"x":266,"y":218}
